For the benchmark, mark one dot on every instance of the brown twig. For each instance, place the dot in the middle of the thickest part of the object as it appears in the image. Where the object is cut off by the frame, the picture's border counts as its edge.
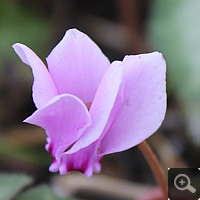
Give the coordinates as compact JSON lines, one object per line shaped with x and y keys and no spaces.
{"x":155,"y":167}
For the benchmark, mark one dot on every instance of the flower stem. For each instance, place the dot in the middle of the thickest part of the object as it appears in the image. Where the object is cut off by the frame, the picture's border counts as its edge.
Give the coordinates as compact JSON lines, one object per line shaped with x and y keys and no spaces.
{"x":155,"y":167}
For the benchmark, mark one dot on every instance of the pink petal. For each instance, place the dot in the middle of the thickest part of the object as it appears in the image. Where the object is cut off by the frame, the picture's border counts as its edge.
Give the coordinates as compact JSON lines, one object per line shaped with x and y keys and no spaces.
{"x":77,"y":65}
{"x":101,"y":106}
{"x":64,"y":118}
{"x":85,"y":160}
{"x":144,"y":104}
{"x":43,"y":88}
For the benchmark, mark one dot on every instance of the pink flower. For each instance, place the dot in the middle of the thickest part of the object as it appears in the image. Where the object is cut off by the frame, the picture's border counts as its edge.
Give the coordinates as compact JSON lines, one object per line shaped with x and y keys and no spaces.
{"x":128,"y":101}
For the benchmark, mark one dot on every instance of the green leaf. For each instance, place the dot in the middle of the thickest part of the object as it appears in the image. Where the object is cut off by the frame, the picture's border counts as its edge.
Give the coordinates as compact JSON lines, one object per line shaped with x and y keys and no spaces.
{"x":42,"y":192}
{"x":11,"y":184}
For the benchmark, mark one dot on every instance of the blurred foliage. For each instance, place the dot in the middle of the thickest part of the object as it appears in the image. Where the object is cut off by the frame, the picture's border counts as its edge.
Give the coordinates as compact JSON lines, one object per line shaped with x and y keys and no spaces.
{"x":11,"y":184}
{"x":15,"y":187}
{"x":19,"y":25}
{"x":175,"y":31}
{"x":24,"y":152}
{"x":43,"y":192}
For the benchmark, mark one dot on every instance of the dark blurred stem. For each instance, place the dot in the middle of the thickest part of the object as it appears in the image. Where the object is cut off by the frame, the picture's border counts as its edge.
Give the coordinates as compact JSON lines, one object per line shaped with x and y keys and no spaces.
{"x":155,"y":167}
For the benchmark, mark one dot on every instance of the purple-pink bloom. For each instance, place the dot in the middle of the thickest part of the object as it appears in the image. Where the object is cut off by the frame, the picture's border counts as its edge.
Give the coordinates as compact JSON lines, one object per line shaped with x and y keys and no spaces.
{"x":128,"y":101}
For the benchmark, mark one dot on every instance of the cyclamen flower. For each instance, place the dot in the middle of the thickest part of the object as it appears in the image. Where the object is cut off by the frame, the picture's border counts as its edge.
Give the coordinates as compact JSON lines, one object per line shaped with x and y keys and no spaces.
{"x":89,"y":107}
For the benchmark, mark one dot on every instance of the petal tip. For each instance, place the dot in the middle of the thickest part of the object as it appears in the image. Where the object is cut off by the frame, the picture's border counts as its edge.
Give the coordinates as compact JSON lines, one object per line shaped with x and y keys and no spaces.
{"x":25,"y":121}
{"x":15,"y":45}
{"x":53,"y":167}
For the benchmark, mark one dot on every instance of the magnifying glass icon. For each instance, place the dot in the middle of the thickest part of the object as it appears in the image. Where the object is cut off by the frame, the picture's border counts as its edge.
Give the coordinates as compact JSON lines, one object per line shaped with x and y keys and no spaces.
{"x":182,"y":182}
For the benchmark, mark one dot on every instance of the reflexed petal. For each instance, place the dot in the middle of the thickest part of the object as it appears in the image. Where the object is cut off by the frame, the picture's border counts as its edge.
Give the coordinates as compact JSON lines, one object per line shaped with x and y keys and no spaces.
{"x":101,"y":106}
{"x":85,"y":160}
{"x":43,"y":88}
{"x":77,"y":65}
{"x":64,"y":118}
{"x":144,"y":103}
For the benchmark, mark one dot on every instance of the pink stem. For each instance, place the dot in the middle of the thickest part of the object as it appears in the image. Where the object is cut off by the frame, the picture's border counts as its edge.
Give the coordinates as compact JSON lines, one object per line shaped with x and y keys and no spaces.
{"x":155,"y":167}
